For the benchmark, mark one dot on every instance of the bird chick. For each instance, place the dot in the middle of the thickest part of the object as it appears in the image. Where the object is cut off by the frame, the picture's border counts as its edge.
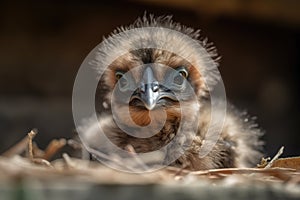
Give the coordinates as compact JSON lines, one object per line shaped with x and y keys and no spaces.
{"x":150,"y":85}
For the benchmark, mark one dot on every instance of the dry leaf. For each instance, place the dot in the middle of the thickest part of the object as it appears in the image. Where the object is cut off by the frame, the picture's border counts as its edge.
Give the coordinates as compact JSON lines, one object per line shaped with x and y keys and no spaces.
{"x":293,"y":163}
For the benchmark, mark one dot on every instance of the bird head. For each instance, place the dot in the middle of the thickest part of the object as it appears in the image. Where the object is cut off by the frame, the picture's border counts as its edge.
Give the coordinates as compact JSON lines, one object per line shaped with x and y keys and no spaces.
{"x":158,"y":70}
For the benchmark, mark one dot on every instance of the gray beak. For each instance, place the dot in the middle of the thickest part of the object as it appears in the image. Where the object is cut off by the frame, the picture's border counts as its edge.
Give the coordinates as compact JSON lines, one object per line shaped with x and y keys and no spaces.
{"x":149,"y":89}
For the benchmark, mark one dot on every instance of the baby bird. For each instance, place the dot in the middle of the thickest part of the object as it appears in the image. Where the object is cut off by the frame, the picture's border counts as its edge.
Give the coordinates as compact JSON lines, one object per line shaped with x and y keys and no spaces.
{"x":156,"y":95}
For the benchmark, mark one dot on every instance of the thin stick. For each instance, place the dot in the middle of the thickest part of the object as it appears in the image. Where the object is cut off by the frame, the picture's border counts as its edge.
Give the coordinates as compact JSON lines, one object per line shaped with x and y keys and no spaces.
{"x":41,"y":161}
{"x":31,"y":135}
{"x":74,"y":144}
{"x":279,"y":153}
{"x":37,"y":152}
{"x":18,"y":148}
{"x":68,"y":160}
{"x":233,"y":171}
{"x":54,"y":147}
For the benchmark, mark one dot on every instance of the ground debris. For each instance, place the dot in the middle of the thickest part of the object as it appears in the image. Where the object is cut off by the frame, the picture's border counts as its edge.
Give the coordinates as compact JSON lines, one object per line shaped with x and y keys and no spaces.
{"x":38,"y":165}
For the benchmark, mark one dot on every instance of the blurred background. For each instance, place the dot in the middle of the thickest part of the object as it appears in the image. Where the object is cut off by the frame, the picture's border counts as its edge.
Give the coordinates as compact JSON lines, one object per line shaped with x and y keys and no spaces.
{"x":42,"y":44}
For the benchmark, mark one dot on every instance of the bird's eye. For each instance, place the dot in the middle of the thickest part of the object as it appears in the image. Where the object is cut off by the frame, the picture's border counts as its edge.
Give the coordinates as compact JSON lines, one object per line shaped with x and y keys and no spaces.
{"x":181,"y":75}
{"x":119,"y":75}
{"x":183,"y":72}
{"x":122,"y":80}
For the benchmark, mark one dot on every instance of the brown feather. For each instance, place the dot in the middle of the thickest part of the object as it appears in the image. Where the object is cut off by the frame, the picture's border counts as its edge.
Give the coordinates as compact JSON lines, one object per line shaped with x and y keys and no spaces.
{"x":238,"y":145}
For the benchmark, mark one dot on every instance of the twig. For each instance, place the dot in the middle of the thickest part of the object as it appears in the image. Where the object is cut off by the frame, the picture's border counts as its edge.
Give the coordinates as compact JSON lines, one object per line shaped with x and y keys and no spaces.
{"x":277,"y":172}
{"x":179,"y":171}
{"x":18,"y":148}
{"x":263,"y":162}
{"x":31,"y":135}
{"x":37,"y":152}
{"x":54,"y":147}
{"x":279,"y":153}
{"x":74,"y":144}
{"x":241,"y":171}
{"x":41,"y":161}
{"x":68,"y":160}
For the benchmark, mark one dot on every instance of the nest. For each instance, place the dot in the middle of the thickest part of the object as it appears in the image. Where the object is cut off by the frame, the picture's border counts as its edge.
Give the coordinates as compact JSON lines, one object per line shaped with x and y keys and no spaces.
{"x":26,"y":162}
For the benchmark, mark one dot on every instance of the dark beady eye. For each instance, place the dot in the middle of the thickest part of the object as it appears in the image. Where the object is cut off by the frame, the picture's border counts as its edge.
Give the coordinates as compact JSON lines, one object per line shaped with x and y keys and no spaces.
{"x":181,"y":75}
{"x":119,"y":75}
{"x":121,"y":79}
{"x":183,"y":72}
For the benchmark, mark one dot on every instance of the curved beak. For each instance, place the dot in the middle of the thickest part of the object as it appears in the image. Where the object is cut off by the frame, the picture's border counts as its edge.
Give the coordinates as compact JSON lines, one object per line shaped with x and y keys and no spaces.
{"x":148,"y":92}
{"x":150,"y":95}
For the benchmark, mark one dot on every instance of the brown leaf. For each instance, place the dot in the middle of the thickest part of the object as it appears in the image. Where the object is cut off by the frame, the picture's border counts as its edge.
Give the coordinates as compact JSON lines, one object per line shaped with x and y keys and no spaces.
{"x":293,"y":163}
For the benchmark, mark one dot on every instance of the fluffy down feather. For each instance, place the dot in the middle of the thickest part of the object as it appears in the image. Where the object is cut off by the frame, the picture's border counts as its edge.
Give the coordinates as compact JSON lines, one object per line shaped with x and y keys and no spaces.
{"x":239,"y":144}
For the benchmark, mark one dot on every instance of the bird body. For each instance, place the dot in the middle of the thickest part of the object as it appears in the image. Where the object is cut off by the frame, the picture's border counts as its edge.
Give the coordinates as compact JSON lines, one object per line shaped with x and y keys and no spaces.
{"x":159,"y":81}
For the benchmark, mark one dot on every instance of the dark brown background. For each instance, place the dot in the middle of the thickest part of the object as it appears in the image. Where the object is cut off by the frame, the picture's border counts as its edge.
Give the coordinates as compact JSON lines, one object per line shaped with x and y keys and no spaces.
{"x":42,"y":44}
